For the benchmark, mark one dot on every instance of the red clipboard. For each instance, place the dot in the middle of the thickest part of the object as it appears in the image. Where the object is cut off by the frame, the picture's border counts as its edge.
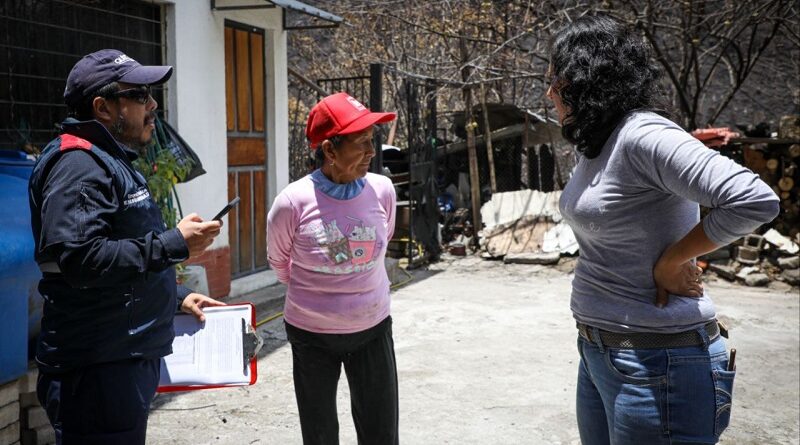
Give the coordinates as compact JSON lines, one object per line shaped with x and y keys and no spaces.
{"x":253,"y":364}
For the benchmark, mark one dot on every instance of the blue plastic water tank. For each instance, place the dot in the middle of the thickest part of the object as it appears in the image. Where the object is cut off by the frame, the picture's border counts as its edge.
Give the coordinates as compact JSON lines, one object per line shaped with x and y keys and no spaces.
{"x":19,"y":277}
{"x":15,"y":163}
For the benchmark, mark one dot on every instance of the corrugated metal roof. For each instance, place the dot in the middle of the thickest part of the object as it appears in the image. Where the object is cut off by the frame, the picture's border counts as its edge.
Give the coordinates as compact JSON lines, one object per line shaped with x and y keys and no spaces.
{"x":294,"y":5}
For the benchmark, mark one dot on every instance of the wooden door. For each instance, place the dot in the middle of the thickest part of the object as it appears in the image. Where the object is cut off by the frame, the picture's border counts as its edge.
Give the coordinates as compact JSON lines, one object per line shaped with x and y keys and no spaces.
{"x":247,"y":149}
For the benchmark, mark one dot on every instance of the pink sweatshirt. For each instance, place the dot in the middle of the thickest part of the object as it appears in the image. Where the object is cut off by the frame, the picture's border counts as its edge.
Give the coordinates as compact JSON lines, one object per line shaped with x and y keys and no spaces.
{"x":330,"y":252}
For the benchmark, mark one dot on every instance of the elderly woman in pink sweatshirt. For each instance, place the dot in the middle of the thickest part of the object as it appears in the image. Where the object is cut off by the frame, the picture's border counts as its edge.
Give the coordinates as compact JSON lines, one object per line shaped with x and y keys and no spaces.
{"x":327,"y":235}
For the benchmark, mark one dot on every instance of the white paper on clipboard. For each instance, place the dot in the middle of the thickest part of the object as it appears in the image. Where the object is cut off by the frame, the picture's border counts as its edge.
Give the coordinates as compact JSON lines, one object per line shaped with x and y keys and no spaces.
{"x":211,"y":352}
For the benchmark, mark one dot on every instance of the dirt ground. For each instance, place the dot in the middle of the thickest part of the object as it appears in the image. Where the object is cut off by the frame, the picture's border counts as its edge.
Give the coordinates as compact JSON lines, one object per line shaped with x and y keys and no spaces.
{"x":486,"y":355}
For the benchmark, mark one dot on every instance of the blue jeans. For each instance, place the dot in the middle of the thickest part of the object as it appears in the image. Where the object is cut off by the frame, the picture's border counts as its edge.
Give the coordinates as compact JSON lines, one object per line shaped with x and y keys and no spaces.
{"x":653,"y":396}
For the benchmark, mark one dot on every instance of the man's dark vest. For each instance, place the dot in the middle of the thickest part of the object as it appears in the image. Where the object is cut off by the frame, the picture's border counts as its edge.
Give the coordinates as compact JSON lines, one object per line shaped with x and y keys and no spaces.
{"x":82,"y":326}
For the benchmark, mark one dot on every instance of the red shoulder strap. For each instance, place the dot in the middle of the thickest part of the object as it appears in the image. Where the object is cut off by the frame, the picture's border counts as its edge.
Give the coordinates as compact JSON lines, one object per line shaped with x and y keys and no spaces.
{"x":69,"y":141}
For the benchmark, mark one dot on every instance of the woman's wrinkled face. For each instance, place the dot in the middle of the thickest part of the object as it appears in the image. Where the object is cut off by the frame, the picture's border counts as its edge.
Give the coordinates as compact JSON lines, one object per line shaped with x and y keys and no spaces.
{"x":554,"y":84}
{"x":352,"y":158}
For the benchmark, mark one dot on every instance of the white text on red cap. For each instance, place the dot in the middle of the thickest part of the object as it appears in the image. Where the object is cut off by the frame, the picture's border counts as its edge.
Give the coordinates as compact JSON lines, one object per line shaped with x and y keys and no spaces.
{"x":356,"y":104}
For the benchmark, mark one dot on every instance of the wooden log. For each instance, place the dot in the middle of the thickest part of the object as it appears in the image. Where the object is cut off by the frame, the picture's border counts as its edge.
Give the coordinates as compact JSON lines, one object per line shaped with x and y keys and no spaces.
{"x":497,"y":135}
{"x":772,"y":165}
{"x":487,"y":131}
{"x":307,"y":82}
{"x":789,"y":126}
{"x":525,"y":155}
{"x":785,"y":183}
{"x":392,"y":132}
{"x":754,"y":160}
{"x":472,"y":154}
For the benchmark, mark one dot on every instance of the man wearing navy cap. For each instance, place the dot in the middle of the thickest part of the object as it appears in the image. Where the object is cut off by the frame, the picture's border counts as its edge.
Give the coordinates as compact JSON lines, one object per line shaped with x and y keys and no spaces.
{"x":107,"y":259}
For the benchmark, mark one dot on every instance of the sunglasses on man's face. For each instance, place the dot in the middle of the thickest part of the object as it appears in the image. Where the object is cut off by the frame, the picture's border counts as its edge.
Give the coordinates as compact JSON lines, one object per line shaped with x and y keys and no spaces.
{"x":139,"y":94}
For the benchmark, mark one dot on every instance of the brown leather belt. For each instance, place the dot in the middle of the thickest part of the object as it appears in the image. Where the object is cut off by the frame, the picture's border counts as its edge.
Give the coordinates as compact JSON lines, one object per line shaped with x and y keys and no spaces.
{"x":646,"y":340}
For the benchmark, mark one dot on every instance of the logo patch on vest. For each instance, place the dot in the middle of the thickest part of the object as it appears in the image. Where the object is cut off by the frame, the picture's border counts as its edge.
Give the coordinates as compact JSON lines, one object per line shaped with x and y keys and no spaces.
{"x":139,"y":196}
{"x":69,"y":141}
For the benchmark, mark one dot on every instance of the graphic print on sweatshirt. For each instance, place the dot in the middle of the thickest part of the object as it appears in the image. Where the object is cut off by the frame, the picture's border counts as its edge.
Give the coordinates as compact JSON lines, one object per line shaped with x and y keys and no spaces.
{"x":351,"y":253}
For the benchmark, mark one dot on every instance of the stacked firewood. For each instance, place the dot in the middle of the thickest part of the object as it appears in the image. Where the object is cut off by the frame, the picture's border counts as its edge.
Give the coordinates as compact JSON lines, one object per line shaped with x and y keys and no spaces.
{"x":777,"y":161}
{"x":785,"y":172}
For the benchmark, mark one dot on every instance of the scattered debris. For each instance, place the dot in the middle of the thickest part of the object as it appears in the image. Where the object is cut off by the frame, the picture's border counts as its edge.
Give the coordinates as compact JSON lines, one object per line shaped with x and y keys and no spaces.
{"x":757,"y":279}
{"x":792,"y":262}
{"x":758,"y":261}
{"x":723,"y":269}
{"x":749,"y":252}
{"x":525,"y":235}
{"x":526,"y":222}
{"x":723,"y":253}
{"x":746,"y":272}
{"x":532,"y":258}
{"x":560,"y":239}
{"x":783,"y":243}
{"x":507,"y":207}
{"x":457,"y":249}
{"x":791,"y":276}
{"x":752,"y":276}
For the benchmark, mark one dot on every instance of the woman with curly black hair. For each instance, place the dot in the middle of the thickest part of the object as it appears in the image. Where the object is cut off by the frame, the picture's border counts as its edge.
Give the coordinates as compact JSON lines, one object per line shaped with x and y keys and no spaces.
{"x":654,"y":368}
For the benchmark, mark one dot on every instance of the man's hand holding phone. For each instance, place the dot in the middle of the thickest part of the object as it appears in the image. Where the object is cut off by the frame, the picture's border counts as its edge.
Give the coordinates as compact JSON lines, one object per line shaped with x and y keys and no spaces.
{"x":200,"y":234}
{"x":226,"y":209}
{"x":197,"y":233}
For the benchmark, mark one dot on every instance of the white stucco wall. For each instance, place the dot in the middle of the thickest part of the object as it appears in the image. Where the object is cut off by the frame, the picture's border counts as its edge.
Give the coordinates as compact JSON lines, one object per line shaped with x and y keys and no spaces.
{"x":195,"y":38}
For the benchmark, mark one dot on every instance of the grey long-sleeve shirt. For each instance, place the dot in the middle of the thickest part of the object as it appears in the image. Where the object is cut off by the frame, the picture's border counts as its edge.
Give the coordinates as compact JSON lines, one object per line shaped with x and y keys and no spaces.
{"x":639,"y":196}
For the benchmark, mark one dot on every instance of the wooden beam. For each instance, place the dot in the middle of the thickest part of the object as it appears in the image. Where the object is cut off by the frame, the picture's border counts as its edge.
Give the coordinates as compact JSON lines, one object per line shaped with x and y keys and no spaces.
{"x":308,"y":82}
{"x":525,"y":155}
{"x":392,"y":132}
{"x":487,"y":131}
{"x":537,"y":137}
{"x":474,"y":177}
{"x":748,"y":140}
{"x":497,"y":135}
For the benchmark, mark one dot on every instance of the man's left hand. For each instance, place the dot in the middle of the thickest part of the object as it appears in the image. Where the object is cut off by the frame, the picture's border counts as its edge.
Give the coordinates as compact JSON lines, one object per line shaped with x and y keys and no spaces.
{"x":194,"y":302}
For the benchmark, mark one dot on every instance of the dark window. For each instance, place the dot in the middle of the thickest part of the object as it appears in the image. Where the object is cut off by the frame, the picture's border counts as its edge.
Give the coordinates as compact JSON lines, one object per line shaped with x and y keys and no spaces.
{"x":40,"y":41}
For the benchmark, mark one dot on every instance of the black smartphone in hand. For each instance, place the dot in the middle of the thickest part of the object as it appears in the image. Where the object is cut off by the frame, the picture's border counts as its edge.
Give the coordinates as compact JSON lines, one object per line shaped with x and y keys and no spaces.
{"x":226,"y":209}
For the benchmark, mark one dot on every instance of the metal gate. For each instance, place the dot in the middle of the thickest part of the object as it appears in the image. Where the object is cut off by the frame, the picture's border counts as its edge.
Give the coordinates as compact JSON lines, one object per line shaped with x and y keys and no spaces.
{"x":416,"y":103}
{"x":423,"y":189}
{"x":304,"y":93}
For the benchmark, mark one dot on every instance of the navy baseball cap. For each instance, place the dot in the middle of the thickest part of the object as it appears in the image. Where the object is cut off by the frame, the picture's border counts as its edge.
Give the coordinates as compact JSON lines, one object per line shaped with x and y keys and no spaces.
{"x":100,"y":68}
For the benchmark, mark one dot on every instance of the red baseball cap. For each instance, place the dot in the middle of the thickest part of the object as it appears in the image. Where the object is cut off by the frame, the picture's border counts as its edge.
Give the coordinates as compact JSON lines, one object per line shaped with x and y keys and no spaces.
{"x":339,"y":114}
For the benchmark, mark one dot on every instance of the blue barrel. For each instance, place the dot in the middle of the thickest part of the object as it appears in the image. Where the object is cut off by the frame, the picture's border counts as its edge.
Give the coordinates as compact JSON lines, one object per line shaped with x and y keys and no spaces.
{"x":15,"y":163}
{"x":19,"y":276}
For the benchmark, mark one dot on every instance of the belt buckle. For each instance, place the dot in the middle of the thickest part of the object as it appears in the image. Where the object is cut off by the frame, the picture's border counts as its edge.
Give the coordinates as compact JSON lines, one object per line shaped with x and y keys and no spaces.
{"x":583,"y":332}
{"x":723,"y":328}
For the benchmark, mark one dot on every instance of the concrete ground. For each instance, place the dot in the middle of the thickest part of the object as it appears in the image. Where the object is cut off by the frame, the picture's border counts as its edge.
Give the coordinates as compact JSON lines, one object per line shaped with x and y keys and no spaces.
{"x":486,"y":355}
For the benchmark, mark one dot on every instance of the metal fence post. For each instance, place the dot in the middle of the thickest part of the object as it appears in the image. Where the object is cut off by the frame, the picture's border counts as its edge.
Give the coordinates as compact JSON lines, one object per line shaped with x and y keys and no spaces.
{"x":376,"y":104}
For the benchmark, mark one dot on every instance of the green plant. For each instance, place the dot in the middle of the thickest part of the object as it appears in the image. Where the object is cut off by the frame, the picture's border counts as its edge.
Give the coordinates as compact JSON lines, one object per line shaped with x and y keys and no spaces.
{"x":162,"y":171}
